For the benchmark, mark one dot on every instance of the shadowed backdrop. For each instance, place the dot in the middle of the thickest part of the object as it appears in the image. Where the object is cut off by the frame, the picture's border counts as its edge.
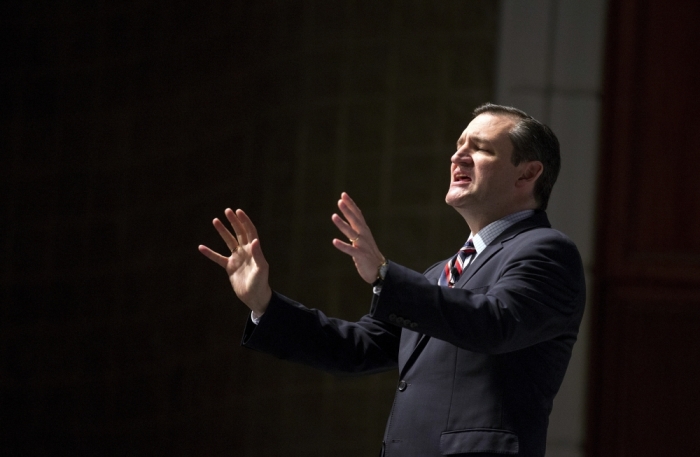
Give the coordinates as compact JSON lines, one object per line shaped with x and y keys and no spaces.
{"x":127,"y":127}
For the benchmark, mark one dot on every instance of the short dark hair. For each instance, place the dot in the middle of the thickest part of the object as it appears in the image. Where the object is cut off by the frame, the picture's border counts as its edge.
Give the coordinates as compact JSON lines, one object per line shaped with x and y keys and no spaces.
{"x":532,"y":140}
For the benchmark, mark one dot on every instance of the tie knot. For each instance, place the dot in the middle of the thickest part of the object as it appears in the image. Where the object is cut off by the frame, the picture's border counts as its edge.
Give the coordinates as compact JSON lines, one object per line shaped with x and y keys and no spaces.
{"x":468,"y":247}
{"x":454,"y":267}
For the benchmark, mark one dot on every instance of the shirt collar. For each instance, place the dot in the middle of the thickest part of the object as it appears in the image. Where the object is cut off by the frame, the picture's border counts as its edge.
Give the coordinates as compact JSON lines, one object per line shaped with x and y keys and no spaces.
{"x":489,"y":233}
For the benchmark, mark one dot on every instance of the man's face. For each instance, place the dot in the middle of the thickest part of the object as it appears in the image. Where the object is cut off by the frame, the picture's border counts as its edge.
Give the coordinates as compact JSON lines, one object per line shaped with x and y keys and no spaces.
{"x":482,"y":174}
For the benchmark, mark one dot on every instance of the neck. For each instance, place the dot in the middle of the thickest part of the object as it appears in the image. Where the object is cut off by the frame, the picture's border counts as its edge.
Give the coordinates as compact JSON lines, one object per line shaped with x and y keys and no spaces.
{"x":477,"y":220}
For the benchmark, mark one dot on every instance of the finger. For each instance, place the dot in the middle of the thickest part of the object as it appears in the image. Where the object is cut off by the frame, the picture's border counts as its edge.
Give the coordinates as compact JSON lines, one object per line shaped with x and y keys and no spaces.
{"x":344,"y":227}
{"x":237,"y":226}
{"x":343,"y":247}
{"x":352,"y":206}
{"x":357,"y":223}
{"x":213,"y":256}
{"x":256,"y":250}
{"x":228,"y":238}
{"x":249,"y":227}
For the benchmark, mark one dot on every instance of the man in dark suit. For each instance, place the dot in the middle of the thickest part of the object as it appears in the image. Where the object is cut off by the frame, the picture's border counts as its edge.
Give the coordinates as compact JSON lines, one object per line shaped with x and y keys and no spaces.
{"x":481,"y":340}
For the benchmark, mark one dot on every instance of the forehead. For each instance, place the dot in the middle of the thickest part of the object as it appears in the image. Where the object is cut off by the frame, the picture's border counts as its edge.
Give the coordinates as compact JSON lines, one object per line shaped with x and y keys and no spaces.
{"x":487,"y":127}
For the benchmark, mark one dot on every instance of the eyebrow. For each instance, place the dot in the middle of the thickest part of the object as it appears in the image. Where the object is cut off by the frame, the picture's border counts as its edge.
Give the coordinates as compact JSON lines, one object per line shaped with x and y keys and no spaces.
{"x":476,"y":139}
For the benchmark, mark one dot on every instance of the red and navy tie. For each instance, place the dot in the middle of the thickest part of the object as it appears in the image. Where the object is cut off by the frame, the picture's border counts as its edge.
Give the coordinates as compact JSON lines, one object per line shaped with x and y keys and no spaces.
{"x":454,"y":267}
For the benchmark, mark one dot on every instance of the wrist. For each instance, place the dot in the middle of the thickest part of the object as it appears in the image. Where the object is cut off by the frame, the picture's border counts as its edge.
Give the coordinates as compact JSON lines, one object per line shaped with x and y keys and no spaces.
{"x":260,"y":305}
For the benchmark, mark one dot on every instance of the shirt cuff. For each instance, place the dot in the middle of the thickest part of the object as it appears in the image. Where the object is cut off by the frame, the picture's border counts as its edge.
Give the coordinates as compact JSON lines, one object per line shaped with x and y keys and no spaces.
{"x":256,"y":320}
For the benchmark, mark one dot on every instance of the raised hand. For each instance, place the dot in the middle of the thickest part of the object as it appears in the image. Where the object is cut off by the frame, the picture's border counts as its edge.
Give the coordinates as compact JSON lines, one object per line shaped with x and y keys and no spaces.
{"x":246,"y":267}
{"x":362,"y":247}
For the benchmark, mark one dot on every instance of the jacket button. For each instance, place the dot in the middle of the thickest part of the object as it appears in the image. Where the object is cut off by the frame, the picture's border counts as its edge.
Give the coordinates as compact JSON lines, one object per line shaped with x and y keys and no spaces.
{"x":402,"y":385}
{"x":414,"y":325}
{"x":392,"y":317}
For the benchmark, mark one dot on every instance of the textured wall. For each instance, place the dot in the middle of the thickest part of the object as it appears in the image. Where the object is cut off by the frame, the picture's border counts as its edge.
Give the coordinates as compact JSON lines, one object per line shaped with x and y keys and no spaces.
{"x":550,"y":65}
{"x":126,"y":127}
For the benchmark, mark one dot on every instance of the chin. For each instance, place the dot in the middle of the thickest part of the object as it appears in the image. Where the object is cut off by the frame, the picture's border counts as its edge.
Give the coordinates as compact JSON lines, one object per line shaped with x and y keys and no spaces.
{"x":454,"y":201}
{"x":455,"y":197}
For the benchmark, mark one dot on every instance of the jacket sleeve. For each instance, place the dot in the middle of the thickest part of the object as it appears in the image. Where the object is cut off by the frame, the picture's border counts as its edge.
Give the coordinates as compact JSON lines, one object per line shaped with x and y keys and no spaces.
{"x":290,"y":331}
{"x":531,"y":291}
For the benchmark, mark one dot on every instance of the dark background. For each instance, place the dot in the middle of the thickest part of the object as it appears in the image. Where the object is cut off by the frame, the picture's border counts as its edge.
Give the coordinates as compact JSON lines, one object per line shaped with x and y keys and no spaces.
{"x":127,"y":126}
{"x":645,"y":334}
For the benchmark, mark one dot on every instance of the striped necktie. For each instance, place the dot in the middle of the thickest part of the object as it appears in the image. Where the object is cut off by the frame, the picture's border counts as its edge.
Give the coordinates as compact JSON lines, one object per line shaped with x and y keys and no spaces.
{"x":454,"y":267}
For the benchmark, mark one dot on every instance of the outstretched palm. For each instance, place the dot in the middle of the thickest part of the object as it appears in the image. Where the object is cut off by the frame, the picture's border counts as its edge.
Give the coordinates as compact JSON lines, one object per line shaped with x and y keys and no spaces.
{"x":246,"y":267}
{"x":362,"y":247}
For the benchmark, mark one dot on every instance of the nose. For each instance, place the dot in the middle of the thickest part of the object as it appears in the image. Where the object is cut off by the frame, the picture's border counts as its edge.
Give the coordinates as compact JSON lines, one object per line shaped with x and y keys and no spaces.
{"x":461,"y":156}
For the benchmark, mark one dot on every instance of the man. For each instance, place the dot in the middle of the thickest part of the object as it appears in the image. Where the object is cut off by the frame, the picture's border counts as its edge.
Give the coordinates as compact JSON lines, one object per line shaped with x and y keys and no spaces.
{"x":481,"y":340}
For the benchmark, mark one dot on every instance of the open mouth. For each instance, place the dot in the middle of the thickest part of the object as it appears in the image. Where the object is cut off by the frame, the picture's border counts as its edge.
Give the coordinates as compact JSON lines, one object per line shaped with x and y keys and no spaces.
{"x":459,"y":177}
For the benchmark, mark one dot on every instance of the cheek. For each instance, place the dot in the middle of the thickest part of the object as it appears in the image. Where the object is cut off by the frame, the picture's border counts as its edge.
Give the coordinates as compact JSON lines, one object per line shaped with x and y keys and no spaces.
{"x":492,"y":176}
{"x":487,"y":172}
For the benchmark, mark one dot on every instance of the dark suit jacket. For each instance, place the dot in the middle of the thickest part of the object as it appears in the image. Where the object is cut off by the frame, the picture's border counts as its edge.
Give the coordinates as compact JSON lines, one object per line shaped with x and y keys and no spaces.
{"x":479,"y":363}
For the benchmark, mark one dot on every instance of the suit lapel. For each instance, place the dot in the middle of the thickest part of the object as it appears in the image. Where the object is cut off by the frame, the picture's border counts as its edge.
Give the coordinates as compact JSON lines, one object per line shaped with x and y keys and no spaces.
{"x":408,"y":344}
{"x":539,"y":219}
{"x":416,"y":342}
{"x":413,"y":343}
{"x":480,"y":260}
{"x":412,"y":352}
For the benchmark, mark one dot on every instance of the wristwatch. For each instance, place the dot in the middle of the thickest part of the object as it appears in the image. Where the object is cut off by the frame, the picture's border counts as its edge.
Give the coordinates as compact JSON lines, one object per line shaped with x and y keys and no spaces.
{"x":381,"y":271}
{"x":381,"y":274}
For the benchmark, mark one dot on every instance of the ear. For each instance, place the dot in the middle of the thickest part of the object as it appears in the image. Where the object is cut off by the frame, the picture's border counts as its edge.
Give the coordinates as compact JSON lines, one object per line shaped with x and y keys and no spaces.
{"x":529,"y":173}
